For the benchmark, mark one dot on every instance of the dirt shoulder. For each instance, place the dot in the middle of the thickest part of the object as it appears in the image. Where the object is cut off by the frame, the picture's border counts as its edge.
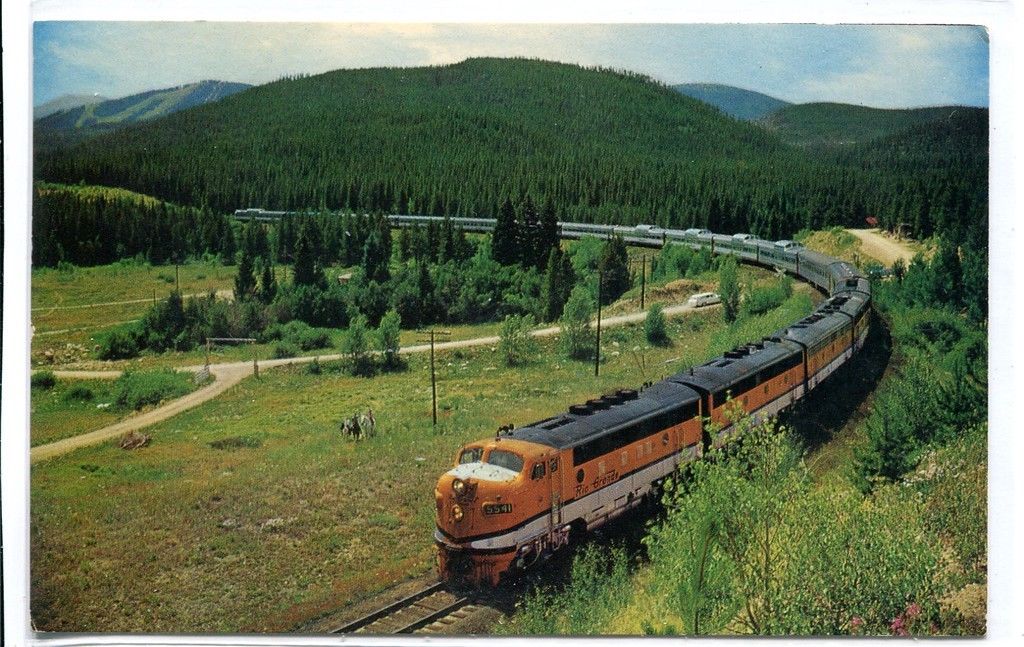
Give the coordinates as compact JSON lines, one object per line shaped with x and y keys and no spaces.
{"x":882,"y":247}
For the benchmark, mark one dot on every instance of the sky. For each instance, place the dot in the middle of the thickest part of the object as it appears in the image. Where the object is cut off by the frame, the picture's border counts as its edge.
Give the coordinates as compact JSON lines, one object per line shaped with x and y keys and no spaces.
{"x":874,"y":65}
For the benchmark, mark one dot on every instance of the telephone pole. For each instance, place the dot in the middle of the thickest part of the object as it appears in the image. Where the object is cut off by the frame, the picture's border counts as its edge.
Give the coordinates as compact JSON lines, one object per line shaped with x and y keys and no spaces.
{"x":597,"y":344}
{"x":643,"y":280}
{"x":433,"y":375}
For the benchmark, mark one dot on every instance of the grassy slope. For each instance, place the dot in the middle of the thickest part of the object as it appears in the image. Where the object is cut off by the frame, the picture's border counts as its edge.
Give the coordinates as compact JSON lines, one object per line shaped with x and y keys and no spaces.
{"x":812,"y":124}
{"x":262,"y":538}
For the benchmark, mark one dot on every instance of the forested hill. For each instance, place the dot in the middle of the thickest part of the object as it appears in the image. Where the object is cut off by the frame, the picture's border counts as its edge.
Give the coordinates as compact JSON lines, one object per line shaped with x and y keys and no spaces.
{"x":95,"y":117}
{"x":831,"y":124}
{"x":458,"y":139}
{"x":735,"y":102}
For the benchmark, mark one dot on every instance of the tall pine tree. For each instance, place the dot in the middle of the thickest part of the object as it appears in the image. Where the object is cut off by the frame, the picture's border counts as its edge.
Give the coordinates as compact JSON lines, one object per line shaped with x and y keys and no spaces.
{"x":505,"y":237}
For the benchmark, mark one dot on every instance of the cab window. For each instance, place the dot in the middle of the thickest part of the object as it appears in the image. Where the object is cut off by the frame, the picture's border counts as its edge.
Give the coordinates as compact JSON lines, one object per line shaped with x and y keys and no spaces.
{"x":538,"y":471}
{"x":505,"y":459}
{"x":471,"y":455}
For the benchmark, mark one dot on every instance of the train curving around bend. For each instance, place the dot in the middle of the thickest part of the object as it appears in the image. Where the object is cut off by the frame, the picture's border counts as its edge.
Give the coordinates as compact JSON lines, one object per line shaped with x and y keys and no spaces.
{"x":513,"y":499}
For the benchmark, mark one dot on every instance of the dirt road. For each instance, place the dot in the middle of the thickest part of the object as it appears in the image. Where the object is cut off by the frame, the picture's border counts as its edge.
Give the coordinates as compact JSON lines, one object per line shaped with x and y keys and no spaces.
{"x":882,"y":247}
{"x":229,"y":374}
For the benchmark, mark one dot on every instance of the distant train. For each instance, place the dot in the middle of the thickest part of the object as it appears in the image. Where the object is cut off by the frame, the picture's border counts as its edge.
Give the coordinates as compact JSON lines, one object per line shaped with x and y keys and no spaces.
{"x":513,"y":499}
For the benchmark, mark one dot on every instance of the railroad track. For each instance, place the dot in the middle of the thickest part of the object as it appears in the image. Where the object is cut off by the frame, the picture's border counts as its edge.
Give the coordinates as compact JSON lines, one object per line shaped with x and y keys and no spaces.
{"x":429,"y":609}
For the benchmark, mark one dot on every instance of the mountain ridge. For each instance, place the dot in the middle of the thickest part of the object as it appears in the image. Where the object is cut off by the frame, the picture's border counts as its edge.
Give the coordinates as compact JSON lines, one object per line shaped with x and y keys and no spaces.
{"x":740,"y":103}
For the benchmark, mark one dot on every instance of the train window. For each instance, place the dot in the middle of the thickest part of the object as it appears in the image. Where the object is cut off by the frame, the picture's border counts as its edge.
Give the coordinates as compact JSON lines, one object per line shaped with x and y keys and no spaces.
{"x":505,"y":459}
{"x":579,"y":475}
{"x":554,"y":465}
{"x":471,"y":455}
{"x":538,"y":471}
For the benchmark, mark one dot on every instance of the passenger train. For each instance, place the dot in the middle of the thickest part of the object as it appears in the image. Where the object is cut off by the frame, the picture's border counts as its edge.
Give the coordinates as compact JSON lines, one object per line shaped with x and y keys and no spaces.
{"x":513,"y":499}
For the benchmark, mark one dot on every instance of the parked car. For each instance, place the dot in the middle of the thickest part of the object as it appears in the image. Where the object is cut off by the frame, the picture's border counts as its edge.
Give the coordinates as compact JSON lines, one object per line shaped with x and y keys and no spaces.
{"x":703,"y":299}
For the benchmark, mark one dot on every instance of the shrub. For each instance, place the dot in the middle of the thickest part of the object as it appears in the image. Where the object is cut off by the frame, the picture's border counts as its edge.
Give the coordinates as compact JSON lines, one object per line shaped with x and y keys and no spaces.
{"x":388,"y":334}
{"x":45,"y":380}
{"x":297,"y":333}
{"x":284,"y":350}
{"x":655,"y":328}
{"x":138,"y":389}
{"x":119,"y":344}
{"x":314,"y":368}
{"x":79,"y":392}
{"x":356,"y":348}
{"x":760,"y":300}
{"x":729,"y":288}
{"x":516,"y":345}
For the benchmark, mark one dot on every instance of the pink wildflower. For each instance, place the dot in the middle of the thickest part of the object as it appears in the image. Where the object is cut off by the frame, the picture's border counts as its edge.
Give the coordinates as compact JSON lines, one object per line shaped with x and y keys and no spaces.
{"x":913,"y":610}
{"x":898,"y":627}
{"x":856,"y":622}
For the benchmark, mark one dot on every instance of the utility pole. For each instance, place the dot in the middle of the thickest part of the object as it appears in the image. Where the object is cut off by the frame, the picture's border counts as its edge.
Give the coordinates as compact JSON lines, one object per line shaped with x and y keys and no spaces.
{"x":643,"y":280}
{"x":433,"y":375}
{"x":597,"y":345}
{"x":177,"y":285}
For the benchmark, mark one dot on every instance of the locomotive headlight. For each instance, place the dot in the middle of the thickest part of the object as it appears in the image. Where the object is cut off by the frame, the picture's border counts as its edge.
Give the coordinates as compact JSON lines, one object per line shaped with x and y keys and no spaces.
{"x":457,"y":512}
{"x":459,"y":487}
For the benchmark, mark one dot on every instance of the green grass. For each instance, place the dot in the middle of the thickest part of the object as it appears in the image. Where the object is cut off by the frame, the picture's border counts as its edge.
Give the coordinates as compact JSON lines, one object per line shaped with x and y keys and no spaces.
{"x":74,"y":407}
{"x":55,"y":414}
{"x":296,"y":519}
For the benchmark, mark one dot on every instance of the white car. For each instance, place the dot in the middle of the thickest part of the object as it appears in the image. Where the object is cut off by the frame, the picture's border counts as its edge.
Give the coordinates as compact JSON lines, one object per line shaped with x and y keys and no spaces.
{"x":703,"y":299}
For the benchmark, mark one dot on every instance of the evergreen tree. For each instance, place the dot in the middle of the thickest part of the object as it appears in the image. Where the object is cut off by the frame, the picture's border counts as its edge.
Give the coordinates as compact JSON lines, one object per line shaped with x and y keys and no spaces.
{"x":554,"y":293}
{"x":307,"y":269}
{"x":505,"y":236}
{"x":947,"y":276}
{"x":245,"y":280}
{"x":268,"y":284}
{"x":655,"y":328}
{"x":529,"y":245}
{"x":375,"y":260}
{"x":614,"y":266}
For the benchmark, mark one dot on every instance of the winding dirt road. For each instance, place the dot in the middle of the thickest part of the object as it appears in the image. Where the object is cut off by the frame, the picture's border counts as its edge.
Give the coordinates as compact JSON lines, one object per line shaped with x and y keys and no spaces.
{"x":229,"y":374}
{"x":881,"y":247}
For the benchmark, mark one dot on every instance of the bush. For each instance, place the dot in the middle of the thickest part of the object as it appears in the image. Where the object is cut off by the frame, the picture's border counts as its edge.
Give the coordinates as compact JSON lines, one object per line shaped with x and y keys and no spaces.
{"x":314,"y":368}
{"x":760,"y":300}
{"x":516,"y":345}
{"x":119,"y":344}
{"x":284,"y":350}
{"x":80,"y":393}
{"x":356,"y":348}
{"x":577,"y":338}
{"x":136,"y":390}
{"x":388,"y":334}
{"x":655,"y":328}
{"x":45,"y":380}
{"x":297,"y":333}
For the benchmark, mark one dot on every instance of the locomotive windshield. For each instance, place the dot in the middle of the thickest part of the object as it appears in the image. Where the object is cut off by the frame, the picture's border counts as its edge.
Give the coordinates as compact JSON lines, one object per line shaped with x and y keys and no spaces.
{"x":505,"y":459}
{"x":471,"y":455}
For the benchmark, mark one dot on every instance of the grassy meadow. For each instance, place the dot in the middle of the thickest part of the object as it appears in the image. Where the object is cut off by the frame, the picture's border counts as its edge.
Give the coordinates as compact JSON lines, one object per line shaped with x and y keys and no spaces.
{"x":253,"y":513}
